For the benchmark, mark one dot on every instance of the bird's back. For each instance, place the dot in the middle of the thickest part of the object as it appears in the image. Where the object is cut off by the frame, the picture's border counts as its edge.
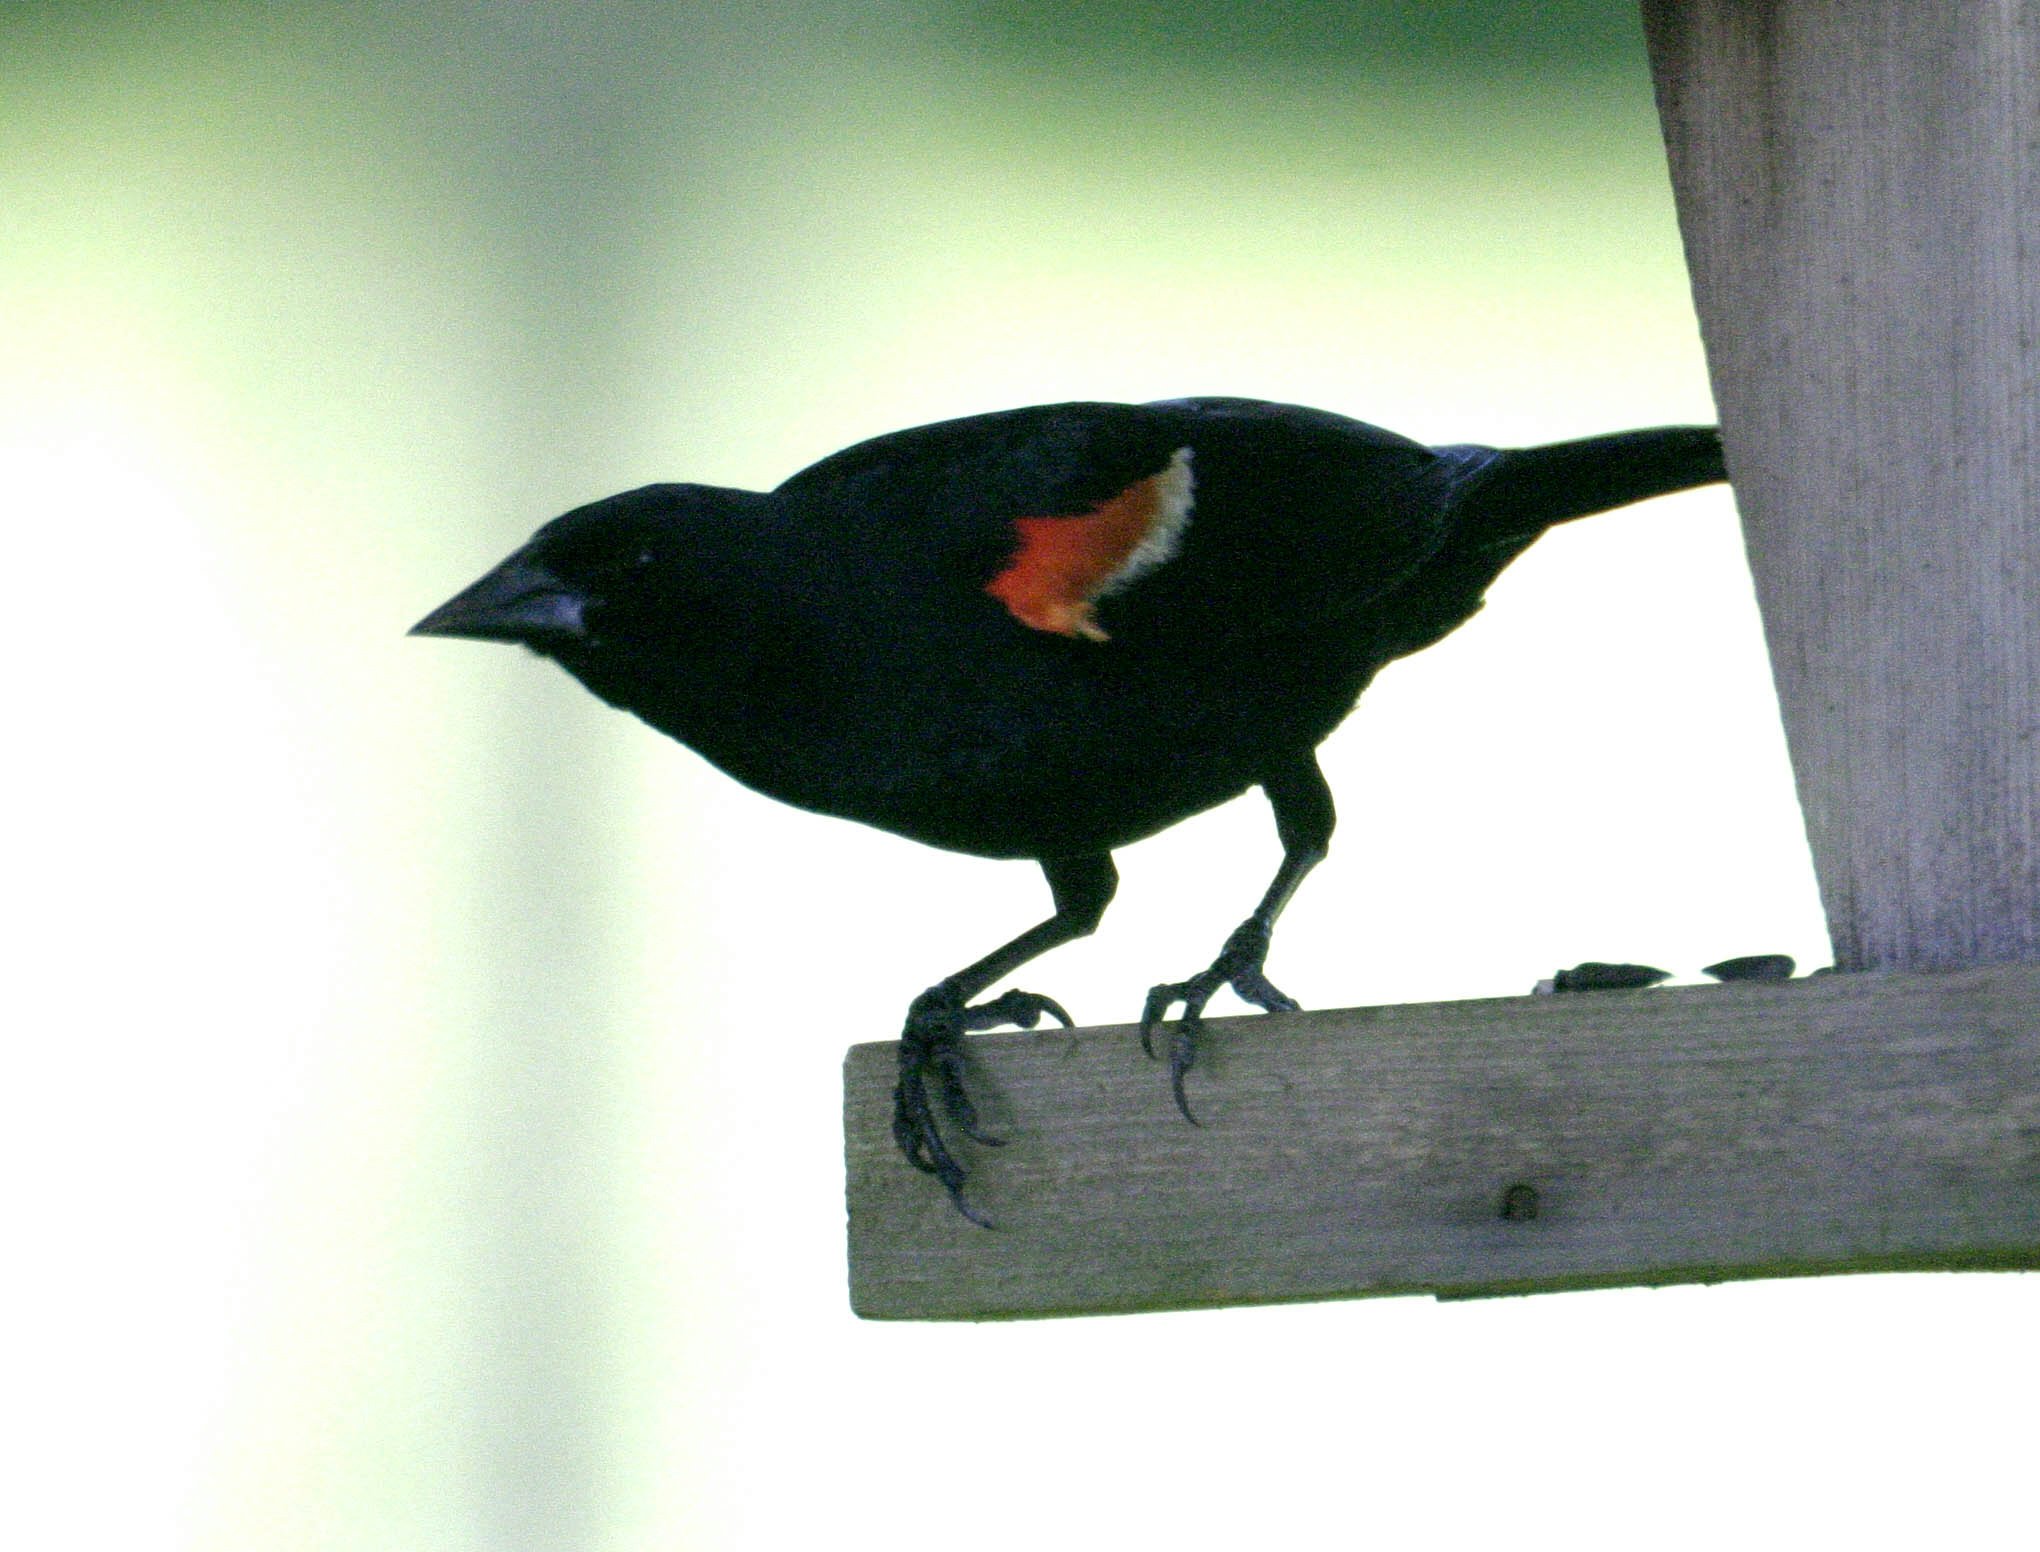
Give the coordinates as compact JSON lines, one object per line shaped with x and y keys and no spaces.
{"x":976,"y":730}
{"x":1295,"y":515}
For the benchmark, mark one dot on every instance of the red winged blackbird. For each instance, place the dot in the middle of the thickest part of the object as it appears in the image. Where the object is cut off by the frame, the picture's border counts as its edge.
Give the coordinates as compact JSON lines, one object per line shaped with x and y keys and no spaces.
{"x":1048,"y":633}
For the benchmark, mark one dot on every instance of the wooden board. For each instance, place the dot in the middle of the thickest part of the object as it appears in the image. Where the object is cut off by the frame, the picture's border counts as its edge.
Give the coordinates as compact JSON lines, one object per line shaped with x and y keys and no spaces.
{"x":1832,"y":1124}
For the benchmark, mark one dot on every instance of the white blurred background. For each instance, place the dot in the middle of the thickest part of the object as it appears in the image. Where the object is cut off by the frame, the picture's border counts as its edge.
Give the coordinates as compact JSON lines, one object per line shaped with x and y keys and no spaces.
{"x":423,"y":1123}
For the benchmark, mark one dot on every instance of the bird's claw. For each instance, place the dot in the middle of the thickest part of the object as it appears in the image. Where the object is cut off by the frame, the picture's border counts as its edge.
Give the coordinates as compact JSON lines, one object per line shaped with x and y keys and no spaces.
{"x":1023,"y":1010}
{"x":1239,"y":966}
{"x":931,"y":1054}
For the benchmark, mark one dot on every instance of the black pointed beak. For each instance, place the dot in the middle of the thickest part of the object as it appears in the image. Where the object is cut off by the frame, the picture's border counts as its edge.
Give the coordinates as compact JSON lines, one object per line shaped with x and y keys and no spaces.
{"x":519,"y":601}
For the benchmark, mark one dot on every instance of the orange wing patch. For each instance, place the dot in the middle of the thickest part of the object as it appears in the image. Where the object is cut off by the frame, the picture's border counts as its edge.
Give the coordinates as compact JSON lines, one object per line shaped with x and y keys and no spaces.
{"x":1064,"y":565}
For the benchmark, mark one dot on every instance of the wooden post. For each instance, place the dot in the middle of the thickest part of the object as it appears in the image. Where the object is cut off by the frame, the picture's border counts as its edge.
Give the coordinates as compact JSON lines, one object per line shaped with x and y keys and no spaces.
{"x":1859,"y":188}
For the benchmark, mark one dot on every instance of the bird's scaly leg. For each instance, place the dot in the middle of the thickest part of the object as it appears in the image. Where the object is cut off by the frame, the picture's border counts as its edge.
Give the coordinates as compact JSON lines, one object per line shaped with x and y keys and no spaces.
{"x":931,"y":1044}
{"x":1303,"y":819}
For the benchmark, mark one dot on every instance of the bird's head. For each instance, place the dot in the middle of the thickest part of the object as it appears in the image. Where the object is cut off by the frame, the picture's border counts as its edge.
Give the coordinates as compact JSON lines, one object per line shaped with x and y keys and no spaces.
{"x":649,"y":560}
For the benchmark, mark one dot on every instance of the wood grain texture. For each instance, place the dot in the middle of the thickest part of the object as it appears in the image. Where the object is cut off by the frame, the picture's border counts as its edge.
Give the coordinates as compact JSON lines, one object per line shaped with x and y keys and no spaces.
{"x":1859,"y":188}
{"x":1848,"y":1122}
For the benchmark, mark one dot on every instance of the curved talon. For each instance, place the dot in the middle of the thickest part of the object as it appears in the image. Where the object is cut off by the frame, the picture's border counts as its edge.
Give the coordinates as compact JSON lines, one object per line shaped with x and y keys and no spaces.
{"x":914,"y":1126}
{"x":1182,"y":1055}
{"x":1021,"y":1009}
{"x":1193,"y":994}
{"x":956,"y":1101}
{"x":919,"y":1139}
{"x":1155,"y":1011}
{"x":1239,"y":966}
{"x":931,"y":1049}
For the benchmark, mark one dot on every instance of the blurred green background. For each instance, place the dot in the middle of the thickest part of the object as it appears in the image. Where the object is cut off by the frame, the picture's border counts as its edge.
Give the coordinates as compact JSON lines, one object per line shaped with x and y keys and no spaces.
{"x":424,"y":1109}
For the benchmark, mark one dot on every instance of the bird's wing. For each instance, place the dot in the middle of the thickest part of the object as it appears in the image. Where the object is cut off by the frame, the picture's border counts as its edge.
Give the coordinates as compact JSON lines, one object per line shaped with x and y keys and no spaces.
{"x":1301,"y":518}
{"x":1187,"y":520}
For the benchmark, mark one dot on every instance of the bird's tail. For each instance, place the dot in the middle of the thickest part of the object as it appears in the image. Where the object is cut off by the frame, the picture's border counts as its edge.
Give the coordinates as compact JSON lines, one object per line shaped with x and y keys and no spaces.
{"x":1517,"y":493}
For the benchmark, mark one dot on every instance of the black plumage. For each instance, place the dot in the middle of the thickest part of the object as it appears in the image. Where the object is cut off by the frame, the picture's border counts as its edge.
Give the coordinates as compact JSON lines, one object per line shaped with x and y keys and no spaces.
{"x":1047,"y":633}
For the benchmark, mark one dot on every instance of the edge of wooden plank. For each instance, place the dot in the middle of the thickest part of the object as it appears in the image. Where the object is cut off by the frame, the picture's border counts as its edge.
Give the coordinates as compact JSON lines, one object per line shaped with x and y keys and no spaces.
{"x":1696,"y":1134}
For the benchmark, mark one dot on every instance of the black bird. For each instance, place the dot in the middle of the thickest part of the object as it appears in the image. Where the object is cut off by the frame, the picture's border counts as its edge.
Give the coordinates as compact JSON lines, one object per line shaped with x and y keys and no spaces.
{"x":1047,"y":633}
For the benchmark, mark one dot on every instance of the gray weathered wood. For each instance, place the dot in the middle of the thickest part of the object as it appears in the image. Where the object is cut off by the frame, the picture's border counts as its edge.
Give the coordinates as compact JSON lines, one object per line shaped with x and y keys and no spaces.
{"x":1859,"y":187}
{"x":1840,"y":1123}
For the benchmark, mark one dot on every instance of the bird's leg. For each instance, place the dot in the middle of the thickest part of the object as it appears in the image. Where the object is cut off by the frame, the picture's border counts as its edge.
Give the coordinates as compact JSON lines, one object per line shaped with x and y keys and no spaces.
{"x":1303,"y":819}
{"x":931,"y":1045}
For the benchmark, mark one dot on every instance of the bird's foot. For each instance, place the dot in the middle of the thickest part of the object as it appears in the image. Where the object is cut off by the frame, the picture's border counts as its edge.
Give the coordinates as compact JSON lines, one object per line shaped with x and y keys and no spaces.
{"x":931,"y":1057}
{"x":1239,"y":966}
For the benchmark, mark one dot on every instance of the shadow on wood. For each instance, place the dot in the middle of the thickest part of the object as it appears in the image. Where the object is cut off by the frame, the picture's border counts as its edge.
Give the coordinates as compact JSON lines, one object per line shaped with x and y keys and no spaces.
{"x":1841,"y":1123}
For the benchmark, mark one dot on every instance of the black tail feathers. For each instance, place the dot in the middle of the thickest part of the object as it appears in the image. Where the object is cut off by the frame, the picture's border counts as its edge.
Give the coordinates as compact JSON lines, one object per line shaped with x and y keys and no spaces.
{"x":1520,"y":492}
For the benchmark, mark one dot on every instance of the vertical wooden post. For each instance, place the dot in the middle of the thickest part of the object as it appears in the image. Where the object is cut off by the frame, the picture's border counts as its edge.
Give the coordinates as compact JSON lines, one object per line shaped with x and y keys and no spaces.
{"x":1859,"y":187}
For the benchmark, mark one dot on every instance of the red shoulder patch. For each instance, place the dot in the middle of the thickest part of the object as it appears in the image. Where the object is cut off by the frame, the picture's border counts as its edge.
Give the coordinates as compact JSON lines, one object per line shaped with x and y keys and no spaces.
{"x":1064,"y":565}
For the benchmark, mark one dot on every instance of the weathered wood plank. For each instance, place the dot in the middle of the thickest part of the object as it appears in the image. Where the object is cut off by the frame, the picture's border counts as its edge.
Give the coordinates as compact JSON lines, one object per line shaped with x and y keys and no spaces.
{"x":1859,"y":188}
{"x":1848,"y":1122}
